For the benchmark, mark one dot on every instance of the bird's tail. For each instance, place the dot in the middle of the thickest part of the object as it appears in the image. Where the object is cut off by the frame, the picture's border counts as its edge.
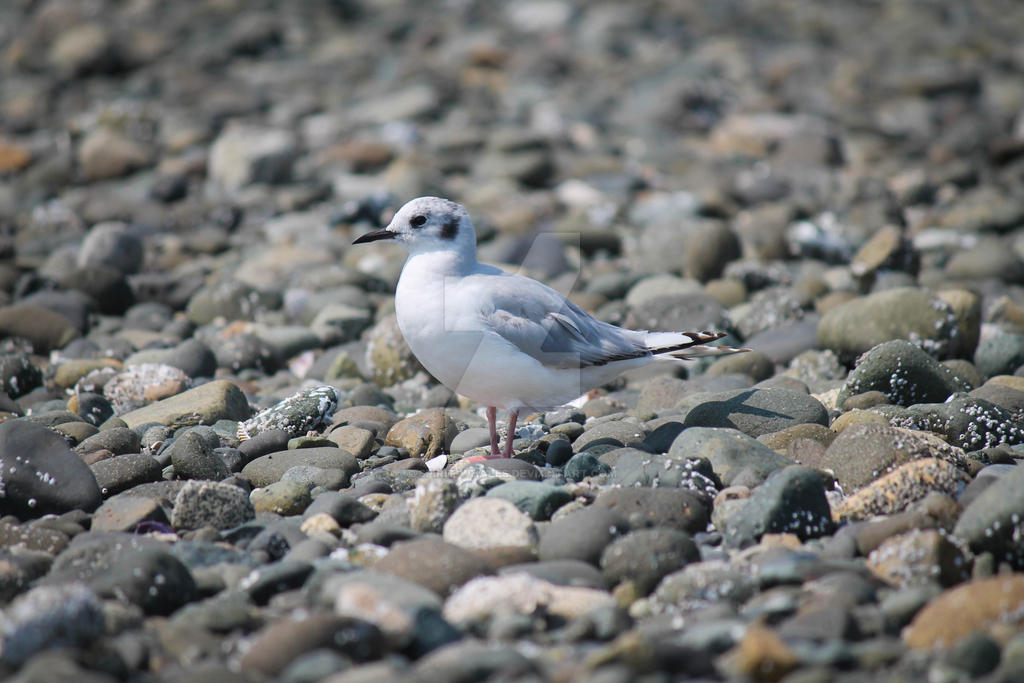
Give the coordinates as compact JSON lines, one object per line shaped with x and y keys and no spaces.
{"x":686,"y":345}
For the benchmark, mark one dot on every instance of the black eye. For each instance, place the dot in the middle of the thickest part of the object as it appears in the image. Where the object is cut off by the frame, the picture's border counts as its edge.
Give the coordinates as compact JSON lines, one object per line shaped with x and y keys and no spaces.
{"x":417,"y":221}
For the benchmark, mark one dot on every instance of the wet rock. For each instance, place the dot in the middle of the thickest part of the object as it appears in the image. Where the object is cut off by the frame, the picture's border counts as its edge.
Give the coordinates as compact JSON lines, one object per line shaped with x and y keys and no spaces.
{"x":41,"y":475}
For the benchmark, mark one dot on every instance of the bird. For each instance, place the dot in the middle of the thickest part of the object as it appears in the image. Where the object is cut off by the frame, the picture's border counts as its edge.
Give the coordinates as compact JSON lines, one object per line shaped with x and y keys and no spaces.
{"x":502,"y":339}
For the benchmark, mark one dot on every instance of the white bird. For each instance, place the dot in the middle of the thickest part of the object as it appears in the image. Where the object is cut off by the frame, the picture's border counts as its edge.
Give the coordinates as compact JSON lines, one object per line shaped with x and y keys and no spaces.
{"x":505,"y":340}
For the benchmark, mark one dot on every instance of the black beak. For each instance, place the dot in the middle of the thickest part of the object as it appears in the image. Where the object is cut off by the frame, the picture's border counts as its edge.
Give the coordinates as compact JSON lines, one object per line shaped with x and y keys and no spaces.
{"x":382,"y":234}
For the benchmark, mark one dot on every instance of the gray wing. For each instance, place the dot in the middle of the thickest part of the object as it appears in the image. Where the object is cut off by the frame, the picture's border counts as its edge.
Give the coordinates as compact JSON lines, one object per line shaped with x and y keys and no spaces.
{"x":545,"y":325}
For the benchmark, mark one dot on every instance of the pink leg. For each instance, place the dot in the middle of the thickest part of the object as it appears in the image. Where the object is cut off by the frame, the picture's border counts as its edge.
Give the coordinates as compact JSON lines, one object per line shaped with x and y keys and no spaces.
{"x":492,"y":420}
{"x":512,"y":417}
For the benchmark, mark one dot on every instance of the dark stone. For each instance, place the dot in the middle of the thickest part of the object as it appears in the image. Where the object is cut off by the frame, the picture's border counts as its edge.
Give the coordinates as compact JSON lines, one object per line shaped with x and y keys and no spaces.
{"x":41,"y":475}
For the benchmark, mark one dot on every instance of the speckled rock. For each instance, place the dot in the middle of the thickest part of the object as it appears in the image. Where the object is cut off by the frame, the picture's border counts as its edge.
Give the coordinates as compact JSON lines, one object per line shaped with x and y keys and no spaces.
{"x":299,"y":413}
{"x":919,"y":556}
{"x":905,"y":485}
{"x":904,"y":373}
{"x":433,"y":502}
{"x":213,"y":504}
{"x":790,"y":501}
{"x":490,"y":523}
{"x":865,"y":452}
{"x":964,"y":421}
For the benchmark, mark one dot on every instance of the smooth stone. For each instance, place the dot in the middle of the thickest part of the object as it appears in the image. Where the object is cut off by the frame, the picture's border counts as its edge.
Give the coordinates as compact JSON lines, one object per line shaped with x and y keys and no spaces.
{"x":432,"y":563}
{"x":269,"y":468}
{"x":264,"y":443}
{"x":672,"y":508}
{"x":210,"y":504}
{"x":344,"y":508}
{"x":205,"y":404}
{"x":790,"y":501}
{"x":41,"y":475}
{"x":537,"y":499}
{"x":637,"y":468}
{"x":126,"y":512}
{"x":756,"y":411}
{"x":730,"y":452}
{"x":122,"y":472}
{"x":469,"y":439}
{"x":520,"y":593}
{"x":282,"y":641}
{"x":281,"y":497}
{"x":859,"y":325}
{"x":356,"y":440}
{"x":994,"y":520}
{"x":615,"y":433}
{"x":43,"y":328}
{"x":193,"y":458}
{"x":971,"y":607}
{"x":312,"y":477}
{"x":1000,"y":352}
{"x":482,"y":523}
{"x":645,"y":556}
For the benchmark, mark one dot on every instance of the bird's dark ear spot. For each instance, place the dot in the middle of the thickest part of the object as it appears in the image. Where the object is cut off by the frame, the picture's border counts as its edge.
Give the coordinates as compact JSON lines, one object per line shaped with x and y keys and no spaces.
{"x":417,"y":221}
{"x":450,"y":228}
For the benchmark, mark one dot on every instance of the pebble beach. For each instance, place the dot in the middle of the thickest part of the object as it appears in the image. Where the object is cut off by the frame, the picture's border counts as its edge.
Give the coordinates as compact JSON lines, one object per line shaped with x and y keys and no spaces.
{"x":220,"y":462}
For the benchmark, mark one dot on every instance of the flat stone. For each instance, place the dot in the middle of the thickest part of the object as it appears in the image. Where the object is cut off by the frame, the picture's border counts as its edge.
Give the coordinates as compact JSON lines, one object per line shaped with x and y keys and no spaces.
{"x":757,"y":411}
{"x":269,"y":468}
{"x":205,"y":404}
{"x":965,"y":609}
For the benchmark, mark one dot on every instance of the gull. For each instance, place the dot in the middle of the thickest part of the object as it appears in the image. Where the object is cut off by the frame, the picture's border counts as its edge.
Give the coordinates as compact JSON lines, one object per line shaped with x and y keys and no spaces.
{"x":505,"y":340}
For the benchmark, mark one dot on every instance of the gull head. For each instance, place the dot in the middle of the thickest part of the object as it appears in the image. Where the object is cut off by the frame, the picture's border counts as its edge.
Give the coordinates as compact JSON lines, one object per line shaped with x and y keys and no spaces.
{"x":428,"y":224}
